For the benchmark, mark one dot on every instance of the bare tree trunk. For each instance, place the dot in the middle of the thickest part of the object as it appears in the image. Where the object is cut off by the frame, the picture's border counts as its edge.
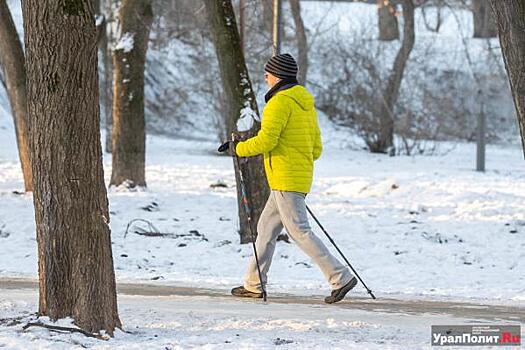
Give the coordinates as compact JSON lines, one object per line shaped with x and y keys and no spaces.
{"x":267,"y":6}
{"x":302,"y":44}
{"x":75,"y":262}
{"x":510,"y":19}
{"x":129,"y":126}
{"x":385,"y":140}
{"x":105,"y":98}
{"x":484,"y":24}
{"x":240,"y":100}
{"x":107,"y":87}
{"x":387,"y":21}
{"x":13,"y":62}
{"x":277,"y":30}
{"x":96,"y":6}
{"x":242,"y":5}
{"x":108,"y":40}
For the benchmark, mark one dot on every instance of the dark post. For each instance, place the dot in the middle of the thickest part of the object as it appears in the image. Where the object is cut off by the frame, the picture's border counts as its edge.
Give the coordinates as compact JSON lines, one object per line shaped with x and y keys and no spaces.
{"x":482,"y":120}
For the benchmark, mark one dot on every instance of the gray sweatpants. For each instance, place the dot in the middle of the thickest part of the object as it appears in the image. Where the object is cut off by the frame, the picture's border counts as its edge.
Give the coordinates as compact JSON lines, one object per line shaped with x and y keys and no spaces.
{"x":288,"y":209}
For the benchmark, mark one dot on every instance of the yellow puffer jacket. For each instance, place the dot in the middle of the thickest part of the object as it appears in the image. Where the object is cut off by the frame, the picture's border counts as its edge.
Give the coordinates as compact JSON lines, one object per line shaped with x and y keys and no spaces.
{"x":289,"y":139}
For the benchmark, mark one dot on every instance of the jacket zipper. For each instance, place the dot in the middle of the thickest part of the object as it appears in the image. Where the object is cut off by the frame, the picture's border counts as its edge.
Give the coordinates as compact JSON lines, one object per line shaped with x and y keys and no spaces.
{"x":270,"y":160}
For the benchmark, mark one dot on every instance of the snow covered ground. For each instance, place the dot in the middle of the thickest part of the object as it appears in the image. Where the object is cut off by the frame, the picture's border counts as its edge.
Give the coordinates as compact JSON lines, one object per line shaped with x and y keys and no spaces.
{"x":219,"y":322}
{"x":424,"y":226}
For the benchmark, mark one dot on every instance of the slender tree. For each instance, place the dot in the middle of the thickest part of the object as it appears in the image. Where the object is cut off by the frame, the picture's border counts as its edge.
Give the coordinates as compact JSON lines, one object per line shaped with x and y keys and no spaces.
{"x":106,"y":85}
{"x":75,"y":263}
{"x":510,"y":19}
{"x":12,"y":61}
{"x":384,"y":142}
{"x":107,"y":41}
{"x":267,"y":17}
{"x":242,"y":115}
{"x":129,"y":61}
{"x":484,"y":24}
{"x":277,"y":26}
{"x":387,"y":20}
{"x":302,"y":43}
{"x":242,"y":21}
{"x":437,"y":6}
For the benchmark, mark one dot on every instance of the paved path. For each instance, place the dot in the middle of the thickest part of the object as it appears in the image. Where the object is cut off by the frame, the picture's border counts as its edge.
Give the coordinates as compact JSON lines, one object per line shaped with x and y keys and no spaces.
{"x":461,"y":310}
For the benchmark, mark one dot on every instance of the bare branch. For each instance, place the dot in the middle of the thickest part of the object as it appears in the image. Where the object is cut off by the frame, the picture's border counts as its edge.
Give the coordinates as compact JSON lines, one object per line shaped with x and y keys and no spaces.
{"x":64,"y":329}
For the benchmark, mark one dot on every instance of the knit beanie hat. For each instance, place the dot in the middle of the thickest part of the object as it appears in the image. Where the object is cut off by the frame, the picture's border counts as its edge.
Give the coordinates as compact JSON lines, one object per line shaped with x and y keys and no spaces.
{"x":282,"y":66}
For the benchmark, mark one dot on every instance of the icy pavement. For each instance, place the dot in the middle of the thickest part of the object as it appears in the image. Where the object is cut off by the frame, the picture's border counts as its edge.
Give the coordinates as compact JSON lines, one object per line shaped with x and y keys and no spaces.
{"x":175,"y":320}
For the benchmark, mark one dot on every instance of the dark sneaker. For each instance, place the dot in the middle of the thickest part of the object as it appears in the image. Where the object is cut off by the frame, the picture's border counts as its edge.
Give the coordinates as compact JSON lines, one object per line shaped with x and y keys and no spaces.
{"x":339,"y":294}
{"x":244,"y":293}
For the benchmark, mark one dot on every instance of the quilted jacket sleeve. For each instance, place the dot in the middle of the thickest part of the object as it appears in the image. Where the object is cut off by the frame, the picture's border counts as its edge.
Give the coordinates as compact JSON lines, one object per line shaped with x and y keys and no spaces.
{"x":318,"y":143}
{"x":275,"y":117}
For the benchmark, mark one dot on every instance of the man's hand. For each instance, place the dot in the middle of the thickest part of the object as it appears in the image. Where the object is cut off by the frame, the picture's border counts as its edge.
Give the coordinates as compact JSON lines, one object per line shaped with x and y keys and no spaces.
{"x":228,"y":147}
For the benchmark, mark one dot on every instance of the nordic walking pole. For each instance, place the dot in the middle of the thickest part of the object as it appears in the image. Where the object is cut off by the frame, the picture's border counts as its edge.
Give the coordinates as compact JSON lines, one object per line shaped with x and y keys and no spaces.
{"x":246,"y":206}
{"x":340,"y":252}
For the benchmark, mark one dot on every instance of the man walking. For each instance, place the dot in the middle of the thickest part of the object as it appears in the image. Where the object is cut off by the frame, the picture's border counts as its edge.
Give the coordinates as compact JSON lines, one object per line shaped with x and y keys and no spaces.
{"x":290,"y":141}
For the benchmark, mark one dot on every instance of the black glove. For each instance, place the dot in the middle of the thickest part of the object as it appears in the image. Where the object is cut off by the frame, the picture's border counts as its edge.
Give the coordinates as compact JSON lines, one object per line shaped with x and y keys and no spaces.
{"x":226,"y":147}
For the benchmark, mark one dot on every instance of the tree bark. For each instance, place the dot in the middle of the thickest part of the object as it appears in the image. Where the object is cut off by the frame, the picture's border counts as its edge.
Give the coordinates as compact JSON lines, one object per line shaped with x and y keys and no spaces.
{"x":302,"y":44}
{"x":484,"y":24}
{"x":129,"y":60}
{"x":13,"y":61}
{"x":75,"y":263}
{"x":385,"y":140}
{"x":240,"y":99}
{"x":387,"y":21}
{"x":510,"y":19}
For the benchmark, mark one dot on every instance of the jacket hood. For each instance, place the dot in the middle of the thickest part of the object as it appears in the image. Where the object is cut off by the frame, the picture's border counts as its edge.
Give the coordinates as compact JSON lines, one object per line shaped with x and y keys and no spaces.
{"x":300,"y":95}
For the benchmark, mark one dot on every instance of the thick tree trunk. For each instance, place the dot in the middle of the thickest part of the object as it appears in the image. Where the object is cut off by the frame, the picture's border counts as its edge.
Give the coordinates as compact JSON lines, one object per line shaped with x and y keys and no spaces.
{"x":129,"y":126}
{"x":385,"y":140}
{"x":387,"y":21}
{"x":484,"y":24}
{"x":302,"y":44}
{"x":242,"y":114}
{"x":75,"y":262}
{"x":510,"y":19}
{"x":13,"y":62}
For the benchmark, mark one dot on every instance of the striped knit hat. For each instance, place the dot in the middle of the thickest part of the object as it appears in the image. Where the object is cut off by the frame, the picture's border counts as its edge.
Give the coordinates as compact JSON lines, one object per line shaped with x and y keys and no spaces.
{"x":282,"y":66}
